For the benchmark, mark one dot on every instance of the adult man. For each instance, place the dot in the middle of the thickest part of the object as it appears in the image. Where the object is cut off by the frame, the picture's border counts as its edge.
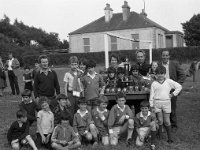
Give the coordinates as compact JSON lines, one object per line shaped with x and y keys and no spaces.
{"x":46,"y":82}
{"x":176,"y":73}
{"x":143,"y":66}
{"x":12,"y":65}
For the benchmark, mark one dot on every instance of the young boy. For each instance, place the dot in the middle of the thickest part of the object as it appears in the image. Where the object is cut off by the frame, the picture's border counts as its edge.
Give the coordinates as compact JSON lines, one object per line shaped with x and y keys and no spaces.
{"x":29,"y":105}
{"x":63,"y":108}
{"x":27,"y":78}
{"x":111,"y":81}
{"x":45,"y":124}
{"x":69,"y":80}
{"x":100,"y":117}
{"x":120,"y":77}
{"x":64,"y":137}
{"x":18,"y":133}
{"x":93,"y":83}
{"x":160,"y":99}
{"x":120,"y":120}
{"x":145,"y":122}
{"x":83,"y":124}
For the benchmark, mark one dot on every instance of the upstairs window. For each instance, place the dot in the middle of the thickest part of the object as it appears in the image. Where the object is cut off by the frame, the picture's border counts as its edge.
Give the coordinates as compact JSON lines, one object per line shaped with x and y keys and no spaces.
{"x":113,"y":43}
{"x":135,"y":45}
{"x":86,"y":45}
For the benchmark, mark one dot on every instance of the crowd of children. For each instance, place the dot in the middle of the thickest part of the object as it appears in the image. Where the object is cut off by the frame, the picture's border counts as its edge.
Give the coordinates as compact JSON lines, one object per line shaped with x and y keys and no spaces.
{"x":81,"y":115}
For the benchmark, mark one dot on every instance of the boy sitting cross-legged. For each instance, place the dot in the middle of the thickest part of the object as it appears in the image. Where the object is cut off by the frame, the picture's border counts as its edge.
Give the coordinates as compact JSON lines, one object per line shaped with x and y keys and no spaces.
{"x":120,"y":120}
{"x":83,"y":124}
{"x":100,"y":117}
{"x":18,"y":134}
{"x":64,"y":137}
{"x":145,"y":122}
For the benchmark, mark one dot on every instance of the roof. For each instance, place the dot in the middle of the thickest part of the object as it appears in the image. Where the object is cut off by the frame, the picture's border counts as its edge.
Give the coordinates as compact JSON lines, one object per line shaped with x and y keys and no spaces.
{"x":174,"y":32}
{"x":134,"y":21}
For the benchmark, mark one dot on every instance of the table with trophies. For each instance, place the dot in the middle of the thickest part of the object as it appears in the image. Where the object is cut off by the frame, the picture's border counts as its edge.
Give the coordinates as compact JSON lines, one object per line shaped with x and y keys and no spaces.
{"x":133,"y":92}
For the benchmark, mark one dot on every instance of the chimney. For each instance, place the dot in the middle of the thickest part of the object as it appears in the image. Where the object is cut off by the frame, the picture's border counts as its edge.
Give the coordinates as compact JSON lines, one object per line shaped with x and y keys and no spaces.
{"x":108,"y":13}
{"x":143,"y":13}
{"x":126,"y":11}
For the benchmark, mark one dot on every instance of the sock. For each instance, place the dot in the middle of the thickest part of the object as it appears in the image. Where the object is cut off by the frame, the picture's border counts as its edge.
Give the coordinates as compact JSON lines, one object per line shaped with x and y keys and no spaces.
{"x":160,"y":131}
{"x":168,"y":129}
{"x":153,"y":137}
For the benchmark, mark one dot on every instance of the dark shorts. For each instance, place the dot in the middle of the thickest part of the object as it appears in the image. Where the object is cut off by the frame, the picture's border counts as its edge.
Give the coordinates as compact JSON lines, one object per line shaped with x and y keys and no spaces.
{"x":92,"y":102}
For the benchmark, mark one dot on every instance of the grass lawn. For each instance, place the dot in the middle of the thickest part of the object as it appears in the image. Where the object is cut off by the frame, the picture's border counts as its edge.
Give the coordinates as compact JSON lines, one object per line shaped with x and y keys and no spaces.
{"x":187,"y":137}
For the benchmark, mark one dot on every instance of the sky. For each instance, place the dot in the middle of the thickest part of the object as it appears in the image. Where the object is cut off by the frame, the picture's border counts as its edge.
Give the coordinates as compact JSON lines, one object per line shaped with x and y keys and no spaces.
{"x":65,"y":16}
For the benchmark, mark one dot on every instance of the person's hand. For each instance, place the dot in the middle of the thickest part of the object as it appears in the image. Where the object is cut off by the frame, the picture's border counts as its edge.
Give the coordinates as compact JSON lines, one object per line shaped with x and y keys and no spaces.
{"x":63,"y":142}
{"x":141,"y":138}
{"x":152,"y":109}
{"x":43,"y":139}
{"x":101,"y":115}
{"x":47,"y":138}
{"x":171,"y":95}
{"x":14,"y":141}
{"x":121,"y":120}
{"x":37,"y":100}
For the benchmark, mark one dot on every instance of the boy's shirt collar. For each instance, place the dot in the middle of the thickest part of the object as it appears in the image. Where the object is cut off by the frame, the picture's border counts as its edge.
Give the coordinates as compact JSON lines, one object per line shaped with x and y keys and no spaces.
{"x":145,"y":117}
{"x":92,"y":76}
{"x":48,"y":111}
{"x":99,"y":111}
{"x":121,"y":109}
{"x":82,"y":114}
{"x":45,"y":71}
{"x":28,"y":102}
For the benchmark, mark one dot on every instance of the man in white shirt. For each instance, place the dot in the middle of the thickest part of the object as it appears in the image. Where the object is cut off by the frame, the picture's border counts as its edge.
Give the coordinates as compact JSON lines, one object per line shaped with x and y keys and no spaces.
{"x":12,"y":65}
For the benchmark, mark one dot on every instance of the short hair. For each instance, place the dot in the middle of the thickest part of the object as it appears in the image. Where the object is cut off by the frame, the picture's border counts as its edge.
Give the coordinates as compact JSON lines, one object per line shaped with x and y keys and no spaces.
{"x":154,"y":62}
{"x":114,"y":56}
{"x":165,"y":51}
{"x":83,"y":61}
{"x":120,"y":70}
{"x":61,"y":96}
{"x":91,"y":64}
{"x":42,"y":100}
{"x":64,"y":117}
{"x":140,"y":51}
{"x":73,"y":59}
{"x":134,"y":67}
{"x":102,"y":71}
{"x":26,"y":67}
{"x":42,"y":57}
{"x":21,"y":113}
{"x":123,"y":58}
{"x":102,"y":99}
{"x":26,"y":92}
{"x":160,"y":70}
{"x":145,"y":103}
{"x":82,"y":100}
{"x":111,"y":70}
{"x":120,"y":95}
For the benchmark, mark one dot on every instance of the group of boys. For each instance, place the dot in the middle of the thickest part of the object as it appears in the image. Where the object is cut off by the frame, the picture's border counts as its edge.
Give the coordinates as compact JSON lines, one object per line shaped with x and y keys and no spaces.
{"x":91,"y":121}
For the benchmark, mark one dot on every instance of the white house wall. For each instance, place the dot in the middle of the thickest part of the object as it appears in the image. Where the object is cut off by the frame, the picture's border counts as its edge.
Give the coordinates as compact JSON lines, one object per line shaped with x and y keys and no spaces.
{"x":97,"y":39}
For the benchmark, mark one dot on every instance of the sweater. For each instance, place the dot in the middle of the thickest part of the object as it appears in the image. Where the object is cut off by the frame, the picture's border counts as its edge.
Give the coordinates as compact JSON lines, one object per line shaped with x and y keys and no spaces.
{"x":46,"y":85}
{"x":17,"y":132}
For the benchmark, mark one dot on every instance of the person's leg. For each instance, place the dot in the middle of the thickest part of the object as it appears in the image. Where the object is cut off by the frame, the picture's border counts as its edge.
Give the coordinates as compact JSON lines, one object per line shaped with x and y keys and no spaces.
{"x":57,"y":146}
{"x":94,"y":133}
{"x":11,"y":80}
{"x":38,"y":141}
{"x":88,"y":136}
{"x":153,"y":134}
{"x":142,"y":133}
{"x":160,"y":123}
{"x":72,"y":101}
{"x":168,"y":126}
{"x":15,"y":146}
{"x":74,"y":144}
{"x":16,"y":84}
{"x":31,"y":142}
{"x":105,"y":140}
{"x":173,"y":118}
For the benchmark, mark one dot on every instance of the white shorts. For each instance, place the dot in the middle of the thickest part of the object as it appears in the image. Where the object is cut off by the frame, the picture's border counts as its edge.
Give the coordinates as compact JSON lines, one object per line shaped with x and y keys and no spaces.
{"x":164,"y":106}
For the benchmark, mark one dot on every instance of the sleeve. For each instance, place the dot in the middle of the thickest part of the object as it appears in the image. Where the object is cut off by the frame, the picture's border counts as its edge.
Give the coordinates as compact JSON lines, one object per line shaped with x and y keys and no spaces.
{"x":54,"y":135}
{"x":36,"y":84}
{"x":101,"y":81}
{"x":181,"y":76}
{"x":75,"y":125}
{"x":111,"y":117}
{"x":152,"y":93}
{"x":73,"y":135}
{"x":89,"y":120}
{"x":176,"y":86}
{"x":56,"y":83}
{"x":105,"y":121}
{"x":66,"y":79}
{"x":137,"y":122}
{"x":10,"y":131}
{"x":26,"y":132}
{"x":129,"y":112}
{"x":153,"y":117}
{"x":56,"y":116}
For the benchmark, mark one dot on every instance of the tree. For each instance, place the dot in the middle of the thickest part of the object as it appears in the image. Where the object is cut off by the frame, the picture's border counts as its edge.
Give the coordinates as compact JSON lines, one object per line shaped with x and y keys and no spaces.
{"x":191,"y":30}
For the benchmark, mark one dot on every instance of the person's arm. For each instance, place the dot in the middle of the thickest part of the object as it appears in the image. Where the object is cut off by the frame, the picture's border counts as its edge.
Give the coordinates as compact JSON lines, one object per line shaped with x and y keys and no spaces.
{"x":129,"y":113}
{"x":66,"y":82}
{"x":152,"y":93}
{"x":111,"y":119}
{"x":10,"y":132}
{"x":75,"y":125}
{"x":180,"y":74}
{"x":56,"y":83}
{"x":176,"y":86}
{"x":54,"y":136}
{"x":39,"y":118}
{"x":26,"y":132}
{"x":137,"y":122}
{"x":36,"y":84}
{"x":102,"y":84}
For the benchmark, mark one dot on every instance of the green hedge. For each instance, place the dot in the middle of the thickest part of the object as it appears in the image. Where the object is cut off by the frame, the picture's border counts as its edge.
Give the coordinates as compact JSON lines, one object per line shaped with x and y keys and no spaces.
{"x":182,"y":54}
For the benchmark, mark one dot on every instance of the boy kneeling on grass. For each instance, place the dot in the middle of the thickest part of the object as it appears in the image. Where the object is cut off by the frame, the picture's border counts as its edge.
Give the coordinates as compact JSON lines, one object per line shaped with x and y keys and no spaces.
{"x":18,"y":133}
{"x":100,"y":117}
{"x":120,"y":120}
{"x":64,"y":137}
{"x":83,"y":124}
{"x":145,"y":122}
{"x":162,"y":90}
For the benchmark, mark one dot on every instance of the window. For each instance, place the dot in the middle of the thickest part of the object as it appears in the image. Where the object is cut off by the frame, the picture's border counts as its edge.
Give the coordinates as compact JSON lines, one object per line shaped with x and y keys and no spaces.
{"x":135,"y":45}
{"x":160,"y":41}
{"x":113,"y":43}
{"x":86,"y":45}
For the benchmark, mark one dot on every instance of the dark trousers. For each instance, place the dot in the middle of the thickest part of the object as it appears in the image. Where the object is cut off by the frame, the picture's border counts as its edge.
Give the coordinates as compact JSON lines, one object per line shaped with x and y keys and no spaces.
{"x":39,"y":143}
{"x":13,"y":82}
{"x":73,"y":101}
{"x":173,"y":118}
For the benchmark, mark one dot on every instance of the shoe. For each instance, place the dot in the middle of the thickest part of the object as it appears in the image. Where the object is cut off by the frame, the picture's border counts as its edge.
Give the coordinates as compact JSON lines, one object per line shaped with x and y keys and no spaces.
{"x":170,"y":141}
{"x":95,"y":143}
{"x":128,"y":142}
{"x":153,"y":147}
